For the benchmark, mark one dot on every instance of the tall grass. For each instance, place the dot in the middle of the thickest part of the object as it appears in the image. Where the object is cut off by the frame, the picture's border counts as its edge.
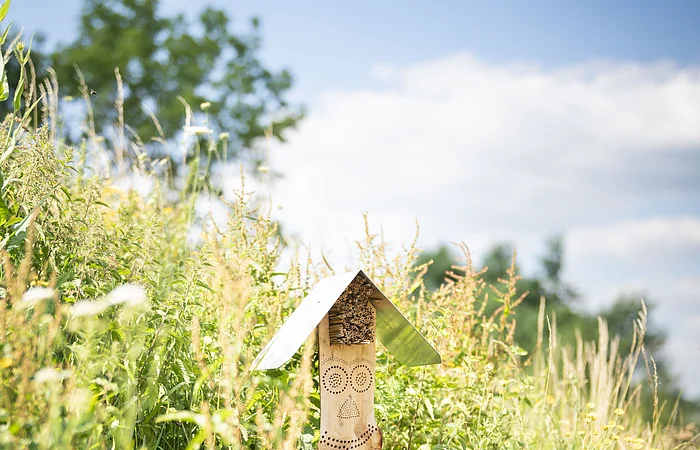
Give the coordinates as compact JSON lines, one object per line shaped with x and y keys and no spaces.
{"x":129,"y":321}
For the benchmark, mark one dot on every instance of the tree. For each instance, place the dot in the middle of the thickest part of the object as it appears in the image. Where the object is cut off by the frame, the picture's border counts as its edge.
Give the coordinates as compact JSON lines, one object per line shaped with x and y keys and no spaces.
{"x":442,"y":262}
{"x":559,"y":297}
{"x":161,"y":58}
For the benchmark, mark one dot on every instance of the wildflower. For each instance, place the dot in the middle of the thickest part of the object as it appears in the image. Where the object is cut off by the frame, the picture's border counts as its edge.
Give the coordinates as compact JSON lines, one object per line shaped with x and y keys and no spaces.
{"x":196,"y":130}
{"x":130,"y":295}
{"x":50,"y":374}
{"x":263,"y":169}
{"x":88,"y":308}
{"x":592,"y":416}
{"x":590,"y":405}
{"x":34,"y":295}
{"x":204,"y":106}
{"x":619,"y":411}
{"x":223,"y":136}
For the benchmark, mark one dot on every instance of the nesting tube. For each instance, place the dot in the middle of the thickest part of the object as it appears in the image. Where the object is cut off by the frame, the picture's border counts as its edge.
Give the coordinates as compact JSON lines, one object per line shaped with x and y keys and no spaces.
{"x":352,"y":318}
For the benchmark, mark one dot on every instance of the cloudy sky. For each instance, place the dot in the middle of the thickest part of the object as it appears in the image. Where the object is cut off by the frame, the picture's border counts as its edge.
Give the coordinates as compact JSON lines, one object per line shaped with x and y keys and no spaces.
{"x":493,"y":124}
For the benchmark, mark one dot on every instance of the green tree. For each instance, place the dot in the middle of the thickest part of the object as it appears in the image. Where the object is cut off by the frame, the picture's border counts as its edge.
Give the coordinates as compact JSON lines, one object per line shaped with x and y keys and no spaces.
{"x":441,"y":262}
{"x":162,"y":57}
{"x":559,"y":297}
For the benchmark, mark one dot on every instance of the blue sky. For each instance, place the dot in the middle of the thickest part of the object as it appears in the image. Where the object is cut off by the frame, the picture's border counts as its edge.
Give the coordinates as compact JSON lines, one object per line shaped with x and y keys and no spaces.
{"x":349,"y":38}
{"x":490,"y":123}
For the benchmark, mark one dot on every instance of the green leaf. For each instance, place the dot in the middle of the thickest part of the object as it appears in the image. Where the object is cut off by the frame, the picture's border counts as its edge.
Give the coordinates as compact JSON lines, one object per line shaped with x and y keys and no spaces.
{"x":31,"y":108}
{"x":4,"y":34}
{"x":203,"y":285}
{"x":17,"y":101}
{"x":3,"y":10}
{"x":4,"y":87}
{"x":5,"y":213}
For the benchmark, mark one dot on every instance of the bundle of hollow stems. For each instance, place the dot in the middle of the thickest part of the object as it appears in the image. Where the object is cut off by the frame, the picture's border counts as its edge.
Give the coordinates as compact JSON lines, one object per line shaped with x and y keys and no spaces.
{"x":352,"y":317}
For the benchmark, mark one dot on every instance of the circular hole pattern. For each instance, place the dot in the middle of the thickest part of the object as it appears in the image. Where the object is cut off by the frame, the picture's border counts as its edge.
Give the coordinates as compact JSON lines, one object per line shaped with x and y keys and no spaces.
{"x":348,"y":444}
{"x":361,"y":378}
{"x":335,"y":379}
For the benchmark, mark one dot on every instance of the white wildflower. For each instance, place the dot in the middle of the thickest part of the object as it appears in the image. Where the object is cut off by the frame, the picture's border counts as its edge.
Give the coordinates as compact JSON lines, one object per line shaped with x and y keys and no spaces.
{"x":88,"y":308}
{"x":205,"y":105}
{"x":197,"y":130}
{"x":223,"y":136}
{"x":130,"y":295}
{"x":48,"y":374}
{"x":34,"y":295}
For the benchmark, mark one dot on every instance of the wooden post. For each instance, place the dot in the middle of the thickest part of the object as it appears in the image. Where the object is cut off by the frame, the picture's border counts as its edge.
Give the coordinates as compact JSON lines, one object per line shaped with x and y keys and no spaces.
{"x":347,"y":394}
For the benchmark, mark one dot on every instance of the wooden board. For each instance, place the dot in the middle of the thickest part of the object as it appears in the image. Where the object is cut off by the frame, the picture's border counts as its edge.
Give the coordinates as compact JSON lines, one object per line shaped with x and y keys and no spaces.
{"x":347,"y":395}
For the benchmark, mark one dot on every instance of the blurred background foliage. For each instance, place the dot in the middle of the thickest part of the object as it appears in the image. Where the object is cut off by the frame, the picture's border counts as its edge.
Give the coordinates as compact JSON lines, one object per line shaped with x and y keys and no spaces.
{"x":165,"y":60}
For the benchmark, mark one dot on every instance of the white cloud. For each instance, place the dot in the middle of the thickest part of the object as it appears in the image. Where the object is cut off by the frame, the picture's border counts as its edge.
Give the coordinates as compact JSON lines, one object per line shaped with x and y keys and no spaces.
{"x":474,"y":149}
{"x":607,"y":153}
{"x":630,"y":239}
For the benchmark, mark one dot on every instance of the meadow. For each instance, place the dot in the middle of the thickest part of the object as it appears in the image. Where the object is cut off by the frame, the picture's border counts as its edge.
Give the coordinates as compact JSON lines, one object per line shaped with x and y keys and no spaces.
{"x":129,"y":320}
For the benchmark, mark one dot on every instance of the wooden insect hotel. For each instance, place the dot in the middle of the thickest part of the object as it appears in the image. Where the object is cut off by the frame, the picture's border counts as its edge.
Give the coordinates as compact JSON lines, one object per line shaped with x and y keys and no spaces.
{"x":350,"y":314}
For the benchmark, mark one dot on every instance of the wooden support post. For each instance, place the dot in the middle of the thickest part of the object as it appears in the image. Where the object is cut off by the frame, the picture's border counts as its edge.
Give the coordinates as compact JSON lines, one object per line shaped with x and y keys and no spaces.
{"x":347,"y":394}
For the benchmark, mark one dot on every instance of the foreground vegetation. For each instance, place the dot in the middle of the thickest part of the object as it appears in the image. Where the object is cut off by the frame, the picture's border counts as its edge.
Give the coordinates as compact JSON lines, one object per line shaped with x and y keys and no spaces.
{"x":128,"y":320}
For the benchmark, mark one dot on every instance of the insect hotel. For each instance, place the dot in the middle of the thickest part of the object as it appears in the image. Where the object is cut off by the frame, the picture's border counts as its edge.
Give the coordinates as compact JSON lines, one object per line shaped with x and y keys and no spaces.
{"x":350,"y":314}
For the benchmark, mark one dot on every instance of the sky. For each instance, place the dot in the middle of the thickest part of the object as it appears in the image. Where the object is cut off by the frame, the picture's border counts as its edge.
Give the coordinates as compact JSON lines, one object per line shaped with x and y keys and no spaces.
{"x":489,"y":124}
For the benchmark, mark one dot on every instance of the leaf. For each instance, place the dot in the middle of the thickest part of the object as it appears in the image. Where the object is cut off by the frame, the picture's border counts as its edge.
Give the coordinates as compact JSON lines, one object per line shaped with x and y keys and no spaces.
{"x":17,"y":101}
{"x":4,"y":9}
{"x":5,"y":213}
{"x":429,"y":407}
{"x":4,"y":34}
{"x":30,"y":109}
{"x":202,"y":284}
{"x":4,"y":87}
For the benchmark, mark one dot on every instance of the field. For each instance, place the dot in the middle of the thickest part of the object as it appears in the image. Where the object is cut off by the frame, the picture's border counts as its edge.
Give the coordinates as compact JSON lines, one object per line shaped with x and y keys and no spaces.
{"x":130,"y":320}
